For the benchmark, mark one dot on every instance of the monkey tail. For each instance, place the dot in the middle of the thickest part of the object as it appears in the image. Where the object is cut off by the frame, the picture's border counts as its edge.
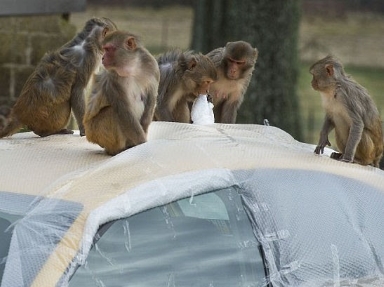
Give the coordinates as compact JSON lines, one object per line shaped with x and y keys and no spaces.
{"x":12,"y":126}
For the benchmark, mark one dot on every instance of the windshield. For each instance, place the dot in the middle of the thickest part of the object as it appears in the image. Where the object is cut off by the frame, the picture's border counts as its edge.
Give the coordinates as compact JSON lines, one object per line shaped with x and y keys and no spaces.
{"x":12,"y":208}
{"x":206,"y":240}
{"x":27,"y":244}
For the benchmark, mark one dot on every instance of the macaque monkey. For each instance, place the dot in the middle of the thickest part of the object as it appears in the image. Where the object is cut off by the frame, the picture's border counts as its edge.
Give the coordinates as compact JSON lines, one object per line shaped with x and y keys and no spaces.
{"x":57,"y":84}
{"x":121,"y":105}
{"x":234,"y":63}
{"x":183,"y":77}
{"x":350,"y":111}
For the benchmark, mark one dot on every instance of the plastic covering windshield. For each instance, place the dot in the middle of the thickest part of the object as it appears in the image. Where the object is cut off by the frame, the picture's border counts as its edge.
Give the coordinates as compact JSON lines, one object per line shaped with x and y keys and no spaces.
{"x":318,"y":221}
{"x":206,"y":240}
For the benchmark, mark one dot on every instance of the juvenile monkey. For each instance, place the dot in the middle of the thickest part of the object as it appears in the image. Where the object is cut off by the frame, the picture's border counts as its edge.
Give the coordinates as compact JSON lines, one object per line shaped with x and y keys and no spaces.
{"x":234,"y":63}
{"x":57,"y":84}
{"x":183,"y":76}
{"x":350,"y":111}
{"x":121,"y":105}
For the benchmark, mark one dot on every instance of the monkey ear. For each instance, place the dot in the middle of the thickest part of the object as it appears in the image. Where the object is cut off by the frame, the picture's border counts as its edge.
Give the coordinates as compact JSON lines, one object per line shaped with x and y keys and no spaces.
{"x":130,"y":43}
{"x":329,"y":69}
{"x":192,"y":64}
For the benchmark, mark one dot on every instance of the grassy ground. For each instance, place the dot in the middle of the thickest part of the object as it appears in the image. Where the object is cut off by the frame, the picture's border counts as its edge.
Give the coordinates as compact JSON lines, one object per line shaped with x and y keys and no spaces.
{"x":356,"y":39}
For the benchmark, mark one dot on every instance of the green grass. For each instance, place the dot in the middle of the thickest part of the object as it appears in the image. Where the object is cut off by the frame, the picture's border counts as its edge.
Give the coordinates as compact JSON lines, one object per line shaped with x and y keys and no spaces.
{"x":352,"y":24}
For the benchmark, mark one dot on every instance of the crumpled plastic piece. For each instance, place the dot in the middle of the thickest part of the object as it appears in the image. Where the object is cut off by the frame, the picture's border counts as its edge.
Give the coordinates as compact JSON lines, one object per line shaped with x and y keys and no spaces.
{"x":202,"y":113}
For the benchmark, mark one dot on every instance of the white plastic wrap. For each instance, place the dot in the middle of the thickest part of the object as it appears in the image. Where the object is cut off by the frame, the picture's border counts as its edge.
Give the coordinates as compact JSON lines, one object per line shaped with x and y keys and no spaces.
{"x":201,"y":112}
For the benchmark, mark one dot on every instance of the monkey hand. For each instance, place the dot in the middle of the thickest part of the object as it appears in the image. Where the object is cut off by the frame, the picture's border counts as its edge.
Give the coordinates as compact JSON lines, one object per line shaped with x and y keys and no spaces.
{"x":319,"y":149}
{"x":322,"y":144}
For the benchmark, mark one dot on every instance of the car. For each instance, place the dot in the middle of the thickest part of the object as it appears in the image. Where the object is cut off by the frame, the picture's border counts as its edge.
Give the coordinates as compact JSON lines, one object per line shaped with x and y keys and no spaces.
{"x":196,"y":205}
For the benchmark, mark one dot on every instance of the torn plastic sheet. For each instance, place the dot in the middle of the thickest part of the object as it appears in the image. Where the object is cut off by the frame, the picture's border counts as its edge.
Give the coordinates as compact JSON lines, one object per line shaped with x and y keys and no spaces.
{"x":310,"y":236}
{"x":197,"y":250}
{"x":36,"y":235}
{"x":145,"y":197}
{"x":323,"y":232}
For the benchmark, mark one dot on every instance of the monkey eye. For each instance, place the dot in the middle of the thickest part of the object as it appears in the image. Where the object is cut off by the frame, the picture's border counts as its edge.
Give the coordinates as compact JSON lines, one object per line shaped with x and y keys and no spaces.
{"x":238,"y":62}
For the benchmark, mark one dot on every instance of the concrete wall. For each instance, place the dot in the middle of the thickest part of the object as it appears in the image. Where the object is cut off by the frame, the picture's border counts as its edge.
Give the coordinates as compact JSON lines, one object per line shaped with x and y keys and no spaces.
{"x":24,"y":40}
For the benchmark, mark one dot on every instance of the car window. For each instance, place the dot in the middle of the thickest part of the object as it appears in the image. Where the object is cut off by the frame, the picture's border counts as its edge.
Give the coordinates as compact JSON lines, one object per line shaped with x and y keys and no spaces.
{"x":30,"y":229}
{"x":206,"y":240}
{"x":12,"y":208}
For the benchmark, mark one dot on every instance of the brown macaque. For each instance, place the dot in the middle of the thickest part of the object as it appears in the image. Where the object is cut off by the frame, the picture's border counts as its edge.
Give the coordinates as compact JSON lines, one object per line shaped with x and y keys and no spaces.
{"x":57,"y":84}
{"x":350,"y":111}
{"x":121,"y":105}
{"x":183,"y":77}
{"x":234,"y":63}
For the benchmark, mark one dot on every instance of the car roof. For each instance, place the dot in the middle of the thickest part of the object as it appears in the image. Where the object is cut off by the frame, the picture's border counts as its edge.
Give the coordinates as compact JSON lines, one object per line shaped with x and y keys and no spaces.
{"x":75,"y":179}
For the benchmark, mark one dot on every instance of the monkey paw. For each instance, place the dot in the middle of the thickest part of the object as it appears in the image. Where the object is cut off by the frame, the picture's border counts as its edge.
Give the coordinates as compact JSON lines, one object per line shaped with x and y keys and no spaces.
{"x":336,"y":155}
{"x":339,"y":156}
{"x":319,"y":149}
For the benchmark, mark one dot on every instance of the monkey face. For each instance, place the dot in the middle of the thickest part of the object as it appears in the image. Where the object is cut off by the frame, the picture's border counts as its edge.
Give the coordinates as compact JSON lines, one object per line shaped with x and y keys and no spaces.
{"x":325,"y":74}
{"x":196,"y":86}
{"x":322,"y":80}
{"x":239,"y":57}
{"x":199,"y":76}
{"x":314,"y":83}
{"x":120,"y":53}
{"x":203,"y":86}
{"x":235,"y":68}
{"x":108,"y":58}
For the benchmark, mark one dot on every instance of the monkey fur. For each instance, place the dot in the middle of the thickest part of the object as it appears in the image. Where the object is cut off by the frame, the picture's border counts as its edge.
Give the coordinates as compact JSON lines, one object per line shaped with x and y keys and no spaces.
{"x":121,"y":105}
{"x":57,"y":84}
{"x":234,"y":63}
{"x":183,"y":76}
{"x":350,"y":111}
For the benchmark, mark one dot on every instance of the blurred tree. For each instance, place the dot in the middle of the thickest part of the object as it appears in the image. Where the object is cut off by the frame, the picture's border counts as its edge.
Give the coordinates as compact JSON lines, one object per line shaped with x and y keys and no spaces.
{"x":272,"y":27}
